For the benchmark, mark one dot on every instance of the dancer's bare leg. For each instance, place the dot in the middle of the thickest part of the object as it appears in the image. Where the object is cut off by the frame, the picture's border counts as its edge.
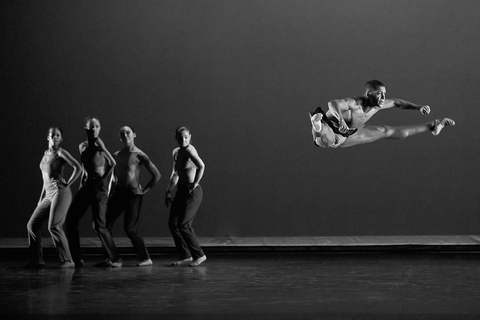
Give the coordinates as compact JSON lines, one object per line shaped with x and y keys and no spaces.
{"x":322,"y":134}
{"x":371,"y":133}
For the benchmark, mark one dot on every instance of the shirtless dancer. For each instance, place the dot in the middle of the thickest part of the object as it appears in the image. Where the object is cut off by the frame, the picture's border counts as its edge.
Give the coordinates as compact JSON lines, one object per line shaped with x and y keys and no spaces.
{"x":128,"y":194}
{"x":97,"y":165}
{"x":343,"y":125}
{"x":188,"y":169}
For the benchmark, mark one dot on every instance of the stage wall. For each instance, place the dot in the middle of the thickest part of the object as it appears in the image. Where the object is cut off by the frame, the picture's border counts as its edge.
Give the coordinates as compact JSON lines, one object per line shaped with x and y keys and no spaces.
{"x":243,"y":75}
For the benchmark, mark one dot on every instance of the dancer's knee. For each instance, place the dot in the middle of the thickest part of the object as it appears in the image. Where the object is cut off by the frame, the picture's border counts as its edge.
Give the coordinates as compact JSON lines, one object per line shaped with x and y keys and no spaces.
{"x":99,"y":228}
{"x":324,"y":142}
{"x":55,"y":229}
{"x":390,"y":132}
{"x":131,"y":232}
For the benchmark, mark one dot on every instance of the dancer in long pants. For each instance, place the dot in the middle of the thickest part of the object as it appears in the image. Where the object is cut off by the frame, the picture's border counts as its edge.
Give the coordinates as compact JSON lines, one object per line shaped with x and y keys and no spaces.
{"x":188,"y":169}
{"x":97,"y":165}
{"x":127,"y":194}
{"x":54,"y":202}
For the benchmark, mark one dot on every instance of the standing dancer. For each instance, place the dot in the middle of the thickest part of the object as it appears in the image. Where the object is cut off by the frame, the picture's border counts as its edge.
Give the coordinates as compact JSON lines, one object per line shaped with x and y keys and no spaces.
{"x":187,"y":172}
{"x":97,"y":165}
{"x":55,"y":199}
{"x":343,"y":125}
{"x":127,"y":194}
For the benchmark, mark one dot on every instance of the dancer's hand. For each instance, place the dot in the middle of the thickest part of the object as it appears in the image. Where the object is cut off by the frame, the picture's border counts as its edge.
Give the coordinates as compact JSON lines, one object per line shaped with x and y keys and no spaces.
{"x":138,"y":190}
{"x":192,"y":186}
{"x":425,"y":110}
{"x":342,"y":127}
{"x":59,"y":184}
{"x":168,"y":199}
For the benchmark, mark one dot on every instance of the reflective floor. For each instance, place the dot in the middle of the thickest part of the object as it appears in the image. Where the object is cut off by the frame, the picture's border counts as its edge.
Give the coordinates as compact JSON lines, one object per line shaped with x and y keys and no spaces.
{"x":250,"y":286}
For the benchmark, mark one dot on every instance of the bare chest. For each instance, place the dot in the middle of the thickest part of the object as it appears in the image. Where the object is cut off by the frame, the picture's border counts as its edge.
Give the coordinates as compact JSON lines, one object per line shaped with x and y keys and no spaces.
{"x":360,"y":116}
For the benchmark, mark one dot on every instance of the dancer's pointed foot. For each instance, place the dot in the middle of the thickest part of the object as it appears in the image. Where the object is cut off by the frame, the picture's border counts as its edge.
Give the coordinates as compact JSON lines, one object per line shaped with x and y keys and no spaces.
{"x":438,"y":125}
{"x":316,"y":120}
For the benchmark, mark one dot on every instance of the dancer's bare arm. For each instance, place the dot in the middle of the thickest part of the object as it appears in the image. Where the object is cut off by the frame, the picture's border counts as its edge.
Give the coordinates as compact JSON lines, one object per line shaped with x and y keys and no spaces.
{"x":406,"y":105}
{"x":108,"y":156}
{"x":199,"y":164}
{"x":338,"y":108}
{"x":152,"y":169}
{"x":83,"y":173}
{"x":173,"y":180}
{"x":77,"y":169}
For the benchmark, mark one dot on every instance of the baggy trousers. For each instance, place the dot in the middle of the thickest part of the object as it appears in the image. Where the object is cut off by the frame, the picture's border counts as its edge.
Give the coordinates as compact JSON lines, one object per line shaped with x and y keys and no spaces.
{"x":95,"y":195}
{"x":53,"y":206}
{"x":125,"y":201}
{"x":184,"y":207}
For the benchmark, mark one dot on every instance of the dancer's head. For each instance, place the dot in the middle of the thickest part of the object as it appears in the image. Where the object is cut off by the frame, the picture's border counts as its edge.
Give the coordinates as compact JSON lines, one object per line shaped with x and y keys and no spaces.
{"x":375,"y":92}
{"x":92,"y":126}
{"x":127,"y":135}
{"x":183,"y":136}
{"x":55,"y":136}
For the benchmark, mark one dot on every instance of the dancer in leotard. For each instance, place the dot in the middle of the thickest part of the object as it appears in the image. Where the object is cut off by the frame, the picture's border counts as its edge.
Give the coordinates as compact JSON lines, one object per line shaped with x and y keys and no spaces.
{"x":54,"y":202}
{"x":187,"y":172}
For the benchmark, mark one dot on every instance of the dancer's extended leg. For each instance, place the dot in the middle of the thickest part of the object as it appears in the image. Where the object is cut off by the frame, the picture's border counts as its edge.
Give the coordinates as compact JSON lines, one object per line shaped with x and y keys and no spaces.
{"x":371,"y":133}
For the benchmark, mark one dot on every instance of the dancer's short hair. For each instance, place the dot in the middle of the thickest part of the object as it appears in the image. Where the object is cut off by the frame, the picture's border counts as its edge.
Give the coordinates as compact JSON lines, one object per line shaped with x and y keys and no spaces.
{"x":373,"y":85}
{"x":180,"y":129}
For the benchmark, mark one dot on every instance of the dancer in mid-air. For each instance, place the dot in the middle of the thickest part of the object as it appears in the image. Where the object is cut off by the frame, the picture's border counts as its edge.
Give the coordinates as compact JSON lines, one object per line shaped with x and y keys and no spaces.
{"x":54,"y":202}
{"x":187,"y":172}
{"x":343,"y":125}
{"x":127,"y":195}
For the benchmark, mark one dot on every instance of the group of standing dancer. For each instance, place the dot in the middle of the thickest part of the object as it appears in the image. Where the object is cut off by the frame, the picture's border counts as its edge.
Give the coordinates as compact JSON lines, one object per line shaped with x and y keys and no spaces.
{"x":98,"y":168}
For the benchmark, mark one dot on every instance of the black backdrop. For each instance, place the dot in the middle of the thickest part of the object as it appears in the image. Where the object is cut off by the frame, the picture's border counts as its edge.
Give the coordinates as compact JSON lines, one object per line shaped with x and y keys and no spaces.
{"x":243,"y":74}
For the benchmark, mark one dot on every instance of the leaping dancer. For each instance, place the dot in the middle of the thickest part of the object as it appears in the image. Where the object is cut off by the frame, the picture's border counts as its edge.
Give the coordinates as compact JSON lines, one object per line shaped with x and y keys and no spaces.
{"x":344,"y":124}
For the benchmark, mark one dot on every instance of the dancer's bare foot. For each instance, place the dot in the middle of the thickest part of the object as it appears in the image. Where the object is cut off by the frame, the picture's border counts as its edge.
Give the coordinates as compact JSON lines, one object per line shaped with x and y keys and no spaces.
{"x":438,"y":125}
{"x":316,"y":121}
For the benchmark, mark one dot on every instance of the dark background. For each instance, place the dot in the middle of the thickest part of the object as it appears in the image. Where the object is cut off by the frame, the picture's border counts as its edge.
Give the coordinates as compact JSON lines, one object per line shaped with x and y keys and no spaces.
{"x":243,"y":75}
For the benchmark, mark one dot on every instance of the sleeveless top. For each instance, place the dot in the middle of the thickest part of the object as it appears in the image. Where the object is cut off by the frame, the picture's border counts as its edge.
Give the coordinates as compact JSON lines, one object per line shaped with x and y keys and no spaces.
{"x":52,"y":165}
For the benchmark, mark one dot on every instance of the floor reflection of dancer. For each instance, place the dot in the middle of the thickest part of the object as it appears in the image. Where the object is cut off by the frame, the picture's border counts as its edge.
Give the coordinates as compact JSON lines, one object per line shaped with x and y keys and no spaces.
{"x":54,"y":202}
{"x":187,"y":172}
{"x":343,"y":125}
{"x":127,"y":194}
{"x":97,"y":165}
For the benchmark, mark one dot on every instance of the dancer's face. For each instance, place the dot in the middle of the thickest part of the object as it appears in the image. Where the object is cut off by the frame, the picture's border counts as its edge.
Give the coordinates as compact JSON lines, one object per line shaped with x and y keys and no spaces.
{"x":127,"y":136}
{"x":93,"y":128}
{"x":377,"y":97}
{"x":54,"y":137}
{"x":183,"y":138}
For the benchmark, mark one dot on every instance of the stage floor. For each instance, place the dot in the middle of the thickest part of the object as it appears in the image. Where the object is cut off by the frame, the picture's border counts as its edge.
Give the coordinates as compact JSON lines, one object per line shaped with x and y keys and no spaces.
{"x":249,"y":286}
